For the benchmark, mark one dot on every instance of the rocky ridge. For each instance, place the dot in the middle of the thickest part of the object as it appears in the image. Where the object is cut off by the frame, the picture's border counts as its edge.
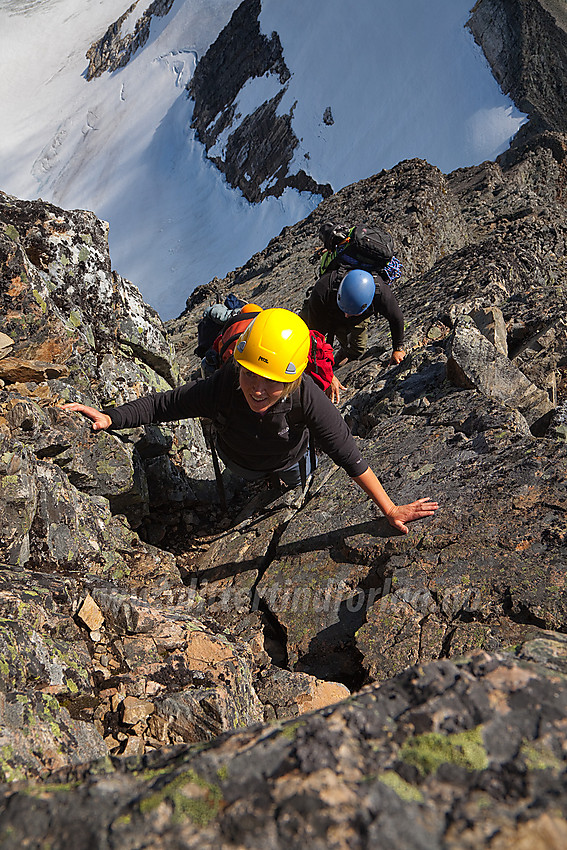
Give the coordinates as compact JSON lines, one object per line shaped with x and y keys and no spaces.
{"x":525,"y":43}
{"x":115,"y":49}
{"x":460,"y":419}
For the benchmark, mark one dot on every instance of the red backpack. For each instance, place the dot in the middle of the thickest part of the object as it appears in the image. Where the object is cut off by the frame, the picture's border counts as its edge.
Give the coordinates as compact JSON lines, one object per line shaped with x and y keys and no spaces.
{"x":321,"y":360}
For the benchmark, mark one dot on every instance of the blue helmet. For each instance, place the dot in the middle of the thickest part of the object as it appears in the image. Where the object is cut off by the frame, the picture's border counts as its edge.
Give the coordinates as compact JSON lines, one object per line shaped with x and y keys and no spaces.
{"x":356,"y":292}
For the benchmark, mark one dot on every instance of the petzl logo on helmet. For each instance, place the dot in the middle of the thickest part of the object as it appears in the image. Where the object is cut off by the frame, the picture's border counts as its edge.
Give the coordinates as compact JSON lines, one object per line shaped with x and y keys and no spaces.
{"x":290,"y":369}
{"x":263,"y":359}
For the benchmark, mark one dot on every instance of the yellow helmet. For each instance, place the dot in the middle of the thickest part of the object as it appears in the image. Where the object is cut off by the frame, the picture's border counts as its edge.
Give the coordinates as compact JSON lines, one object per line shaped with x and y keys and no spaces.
{"x":275,"y":345}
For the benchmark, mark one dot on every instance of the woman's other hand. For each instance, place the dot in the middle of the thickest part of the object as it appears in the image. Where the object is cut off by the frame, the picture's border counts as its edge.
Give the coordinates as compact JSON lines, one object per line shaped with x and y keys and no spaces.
{"x":333,"y":391}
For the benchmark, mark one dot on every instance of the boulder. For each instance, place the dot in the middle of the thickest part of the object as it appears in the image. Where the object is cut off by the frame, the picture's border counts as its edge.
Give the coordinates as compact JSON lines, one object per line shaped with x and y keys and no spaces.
{"x":286,"y":694}
{"x":491,"y":324}
{"x":475,"y":363}
{"x":14,"y":370}
{"x":6,"y":345}
{"x":38,"y":735}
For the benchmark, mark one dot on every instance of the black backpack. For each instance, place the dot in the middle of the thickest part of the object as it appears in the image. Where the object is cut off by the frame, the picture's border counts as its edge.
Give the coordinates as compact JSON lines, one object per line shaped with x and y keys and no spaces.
{"x":368,"y":248}
{"x":360,"y":247}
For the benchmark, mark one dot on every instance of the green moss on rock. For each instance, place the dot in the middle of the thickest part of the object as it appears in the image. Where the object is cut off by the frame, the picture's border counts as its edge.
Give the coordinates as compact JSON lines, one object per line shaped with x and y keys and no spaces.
{"x":11,"y":232}
{"x":429,"y":751}
{"x":40,"y":300}
{"x":289,"y":730}
{"x":200,"y":804}
{"x":538,"y":756}
{"x":403,"y":789}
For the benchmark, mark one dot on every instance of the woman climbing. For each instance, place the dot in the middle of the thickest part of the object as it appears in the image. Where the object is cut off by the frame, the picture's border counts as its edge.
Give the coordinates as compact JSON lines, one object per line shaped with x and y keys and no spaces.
{"x":263,"y":410}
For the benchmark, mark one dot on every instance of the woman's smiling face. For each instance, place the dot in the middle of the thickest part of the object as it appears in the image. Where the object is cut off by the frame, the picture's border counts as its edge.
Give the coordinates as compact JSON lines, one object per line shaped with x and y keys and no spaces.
{"x":260,"y":393}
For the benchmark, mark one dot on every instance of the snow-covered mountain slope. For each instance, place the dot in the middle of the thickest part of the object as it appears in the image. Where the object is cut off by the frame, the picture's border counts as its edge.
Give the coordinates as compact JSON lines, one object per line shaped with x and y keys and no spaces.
{"x":364,"y":90}
{"x":357,"y":91}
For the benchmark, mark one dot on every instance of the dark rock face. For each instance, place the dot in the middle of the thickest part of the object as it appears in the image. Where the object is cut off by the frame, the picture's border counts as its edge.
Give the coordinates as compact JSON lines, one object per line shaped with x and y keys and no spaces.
{"x":525,"y":42}
{"x":231,"y":66}
{"x":260,"y":148}
{"x":114,"y":50}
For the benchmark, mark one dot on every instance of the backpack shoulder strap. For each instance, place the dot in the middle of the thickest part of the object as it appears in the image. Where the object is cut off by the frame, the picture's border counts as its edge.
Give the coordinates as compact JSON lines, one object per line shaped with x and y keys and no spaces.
{"x":232,"y":338}
{"x":295,"y":415}
{"x":210,"y":436}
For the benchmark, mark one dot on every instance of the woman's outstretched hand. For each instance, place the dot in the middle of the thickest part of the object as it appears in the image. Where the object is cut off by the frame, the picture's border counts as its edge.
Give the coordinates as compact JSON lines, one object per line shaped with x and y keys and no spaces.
{"x":101,"y":421}
{"x":397,"y":515}
{"x":400,"y":514}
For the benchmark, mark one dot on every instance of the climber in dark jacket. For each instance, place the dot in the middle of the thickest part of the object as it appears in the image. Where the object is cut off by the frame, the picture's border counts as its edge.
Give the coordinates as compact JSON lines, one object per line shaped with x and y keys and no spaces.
{"x":341,"y":305}
{"x":262,"y":413}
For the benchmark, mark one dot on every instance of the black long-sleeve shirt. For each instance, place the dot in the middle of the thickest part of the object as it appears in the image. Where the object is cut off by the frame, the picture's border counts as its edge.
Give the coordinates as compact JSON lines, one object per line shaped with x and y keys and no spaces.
{"x":267,"y":443}
{"x":326,"y":317}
